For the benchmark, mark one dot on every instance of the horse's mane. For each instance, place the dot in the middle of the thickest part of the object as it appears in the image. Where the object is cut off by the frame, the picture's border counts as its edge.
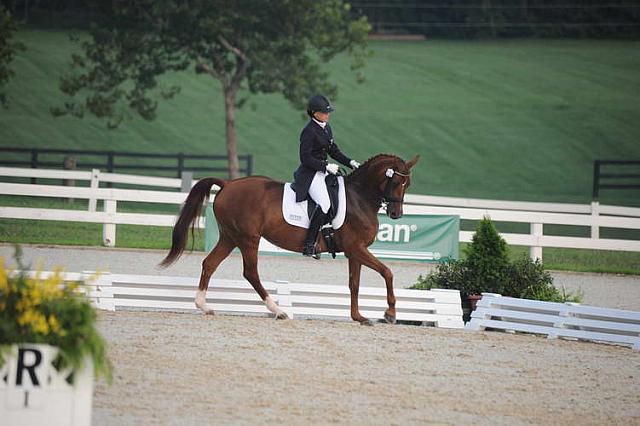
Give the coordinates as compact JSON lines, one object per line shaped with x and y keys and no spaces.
{"x":369,"y":164}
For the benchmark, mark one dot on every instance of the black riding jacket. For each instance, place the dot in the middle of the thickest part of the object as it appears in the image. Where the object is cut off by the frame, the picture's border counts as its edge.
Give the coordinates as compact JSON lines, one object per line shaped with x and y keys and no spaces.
{"x":315,"y":144}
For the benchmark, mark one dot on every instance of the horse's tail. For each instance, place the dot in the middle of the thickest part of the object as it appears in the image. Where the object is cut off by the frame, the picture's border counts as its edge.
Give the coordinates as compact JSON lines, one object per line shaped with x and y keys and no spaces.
{"x":189,"y":214}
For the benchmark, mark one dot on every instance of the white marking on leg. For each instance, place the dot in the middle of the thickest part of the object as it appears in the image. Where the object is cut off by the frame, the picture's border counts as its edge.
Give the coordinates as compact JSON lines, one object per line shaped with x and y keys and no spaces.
{"x":279,"y":313}
{"x":201,"y":302}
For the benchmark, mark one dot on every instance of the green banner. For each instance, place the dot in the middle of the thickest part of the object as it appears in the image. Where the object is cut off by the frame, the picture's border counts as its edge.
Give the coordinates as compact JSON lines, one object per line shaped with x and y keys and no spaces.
{"x":431,"y":238}
{"x":427,"y":238}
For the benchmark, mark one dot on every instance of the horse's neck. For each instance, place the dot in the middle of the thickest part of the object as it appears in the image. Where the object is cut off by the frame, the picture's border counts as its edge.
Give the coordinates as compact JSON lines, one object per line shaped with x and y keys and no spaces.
{"x":364,"y":192}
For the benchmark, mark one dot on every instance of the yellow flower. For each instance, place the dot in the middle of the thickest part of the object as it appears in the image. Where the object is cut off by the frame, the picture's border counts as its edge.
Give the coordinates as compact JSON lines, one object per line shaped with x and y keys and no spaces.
{"x":4,"y":285}
{"x":35,"y":320}
{"x":55,"y":325}
{"x":52,"y":287}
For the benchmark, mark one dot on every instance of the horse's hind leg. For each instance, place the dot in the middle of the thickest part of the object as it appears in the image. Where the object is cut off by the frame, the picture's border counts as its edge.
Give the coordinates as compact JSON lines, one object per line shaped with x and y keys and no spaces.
{"x":250,"y":263}
{"x":209,"y":266}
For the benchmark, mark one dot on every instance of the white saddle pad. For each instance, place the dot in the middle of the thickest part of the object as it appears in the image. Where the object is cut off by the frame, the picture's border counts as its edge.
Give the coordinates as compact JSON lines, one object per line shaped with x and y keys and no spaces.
{"x":296,"y":213}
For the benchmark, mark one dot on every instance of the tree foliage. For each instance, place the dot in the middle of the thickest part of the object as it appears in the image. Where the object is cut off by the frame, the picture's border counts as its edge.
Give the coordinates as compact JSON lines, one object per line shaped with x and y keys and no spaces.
{"x":279,"y":46}
{"x":8,"y":50}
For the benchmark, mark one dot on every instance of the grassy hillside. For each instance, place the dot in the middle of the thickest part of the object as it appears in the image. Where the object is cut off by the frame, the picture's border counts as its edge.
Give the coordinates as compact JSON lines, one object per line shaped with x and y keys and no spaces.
{"x":519,"y":120}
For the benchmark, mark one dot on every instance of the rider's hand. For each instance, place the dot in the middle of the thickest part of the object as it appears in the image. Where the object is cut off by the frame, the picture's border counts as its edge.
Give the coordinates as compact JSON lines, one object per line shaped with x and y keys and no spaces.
{"x":332,"y":168}
{"x":354,"y":164}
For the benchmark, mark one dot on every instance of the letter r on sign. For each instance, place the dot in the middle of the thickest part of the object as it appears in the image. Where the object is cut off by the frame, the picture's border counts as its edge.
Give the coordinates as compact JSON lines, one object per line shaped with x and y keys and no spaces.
{"x":28,"y":360}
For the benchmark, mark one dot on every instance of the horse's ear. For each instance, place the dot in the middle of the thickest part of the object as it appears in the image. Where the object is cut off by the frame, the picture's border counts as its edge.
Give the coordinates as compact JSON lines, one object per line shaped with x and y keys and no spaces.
{"x":413,"y":161}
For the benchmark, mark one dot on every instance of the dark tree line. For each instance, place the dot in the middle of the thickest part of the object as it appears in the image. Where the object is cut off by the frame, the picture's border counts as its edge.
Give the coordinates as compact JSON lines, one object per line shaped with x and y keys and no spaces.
{"x":504,"y":18}
{"x":432,"y":18}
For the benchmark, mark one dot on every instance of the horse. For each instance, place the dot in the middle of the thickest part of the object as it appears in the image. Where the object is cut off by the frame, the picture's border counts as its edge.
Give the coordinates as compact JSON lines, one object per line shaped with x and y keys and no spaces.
{"x":249,"y":208}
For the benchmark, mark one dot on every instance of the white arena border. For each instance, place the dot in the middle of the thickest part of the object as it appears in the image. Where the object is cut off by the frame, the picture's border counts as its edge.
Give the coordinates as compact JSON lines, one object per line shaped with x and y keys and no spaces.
{"x":557,"y":320}
{"x":438,"y":307}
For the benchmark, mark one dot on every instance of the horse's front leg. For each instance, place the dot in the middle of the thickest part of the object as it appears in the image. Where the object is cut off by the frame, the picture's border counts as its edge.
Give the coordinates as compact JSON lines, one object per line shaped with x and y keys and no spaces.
{"x":364,"y":256}
{"x":354,"y":287}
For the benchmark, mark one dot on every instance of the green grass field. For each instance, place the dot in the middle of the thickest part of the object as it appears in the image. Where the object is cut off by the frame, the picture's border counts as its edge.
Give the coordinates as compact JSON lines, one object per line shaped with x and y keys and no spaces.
{"x":512,"y":120}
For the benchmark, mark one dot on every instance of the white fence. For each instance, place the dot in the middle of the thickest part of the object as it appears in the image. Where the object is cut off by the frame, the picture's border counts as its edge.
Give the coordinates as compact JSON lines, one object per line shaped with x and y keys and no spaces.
{"x":536,"y":215}
{"x":565,"y":320}
{"x":440,"y":308}
{"x":437,"y":307}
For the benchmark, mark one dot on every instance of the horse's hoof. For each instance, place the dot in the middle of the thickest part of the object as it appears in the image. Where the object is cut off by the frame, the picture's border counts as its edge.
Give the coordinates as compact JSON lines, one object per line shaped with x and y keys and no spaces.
{"x":204,"y":309}
{"x":282,"y":316}
{"x":367,"y":322}
{"x":389,"y":318}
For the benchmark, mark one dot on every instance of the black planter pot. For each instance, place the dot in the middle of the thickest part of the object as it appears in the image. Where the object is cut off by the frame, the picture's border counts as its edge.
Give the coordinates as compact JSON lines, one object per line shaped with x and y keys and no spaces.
{"x":469,"y":303}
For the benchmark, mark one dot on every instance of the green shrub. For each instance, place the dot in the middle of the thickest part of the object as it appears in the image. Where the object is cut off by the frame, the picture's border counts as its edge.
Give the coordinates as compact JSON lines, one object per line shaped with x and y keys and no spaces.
{"x":527,"y":279}
{"x":487,"y":260}
{"x":452,"y":274}
{"x":487,"y":269}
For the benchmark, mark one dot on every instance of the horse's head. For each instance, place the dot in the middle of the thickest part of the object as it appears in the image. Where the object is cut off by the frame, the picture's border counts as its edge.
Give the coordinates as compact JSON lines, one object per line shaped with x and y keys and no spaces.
{"x":397,"y":178}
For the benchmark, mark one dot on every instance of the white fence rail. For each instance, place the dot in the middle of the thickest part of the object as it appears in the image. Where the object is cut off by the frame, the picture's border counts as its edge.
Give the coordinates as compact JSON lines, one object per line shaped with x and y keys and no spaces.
{"x":536,"y":215}
{"x":440,"y":308}
{"x":565,"y":320}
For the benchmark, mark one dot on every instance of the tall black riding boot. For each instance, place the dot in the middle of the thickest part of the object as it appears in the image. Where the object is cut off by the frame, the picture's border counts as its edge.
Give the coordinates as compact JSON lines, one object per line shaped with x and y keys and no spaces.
{"x":317,"y":220}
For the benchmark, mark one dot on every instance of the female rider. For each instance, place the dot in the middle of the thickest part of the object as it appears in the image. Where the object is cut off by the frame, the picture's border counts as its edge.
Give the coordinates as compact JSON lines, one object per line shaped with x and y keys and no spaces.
{"x":316,"y":141}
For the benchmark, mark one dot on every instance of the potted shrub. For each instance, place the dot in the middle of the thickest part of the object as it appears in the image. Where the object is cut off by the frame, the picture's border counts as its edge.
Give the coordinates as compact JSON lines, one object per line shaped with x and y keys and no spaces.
{"x":487,"y":269}
{"x":50,"y":349}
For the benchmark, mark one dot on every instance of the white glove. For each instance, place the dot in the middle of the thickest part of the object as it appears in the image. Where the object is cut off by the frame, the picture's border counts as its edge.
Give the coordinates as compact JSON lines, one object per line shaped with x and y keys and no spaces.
{"x":354,"y":164}
{"x":332,"y":168}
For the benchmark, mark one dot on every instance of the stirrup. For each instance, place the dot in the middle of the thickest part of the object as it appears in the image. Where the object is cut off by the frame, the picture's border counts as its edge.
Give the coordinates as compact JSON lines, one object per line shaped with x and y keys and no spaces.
{"x":310,"y":251}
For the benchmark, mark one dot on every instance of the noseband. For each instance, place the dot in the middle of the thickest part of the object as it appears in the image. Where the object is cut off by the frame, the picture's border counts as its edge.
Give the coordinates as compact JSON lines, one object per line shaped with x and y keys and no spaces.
{"x":387,"y":198}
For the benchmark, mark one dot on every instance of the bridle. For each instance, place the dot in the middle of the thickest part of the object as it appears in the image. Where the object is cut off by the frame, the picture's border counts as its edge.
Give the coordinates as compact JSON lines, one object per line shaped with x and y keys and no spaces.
{"x":386,"y":197}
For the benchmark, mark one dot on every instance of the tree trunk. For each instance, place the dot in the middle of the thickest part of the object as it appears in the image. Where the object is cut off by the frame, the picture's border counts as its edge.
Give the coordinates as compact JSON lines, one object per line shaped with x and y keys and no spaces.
{"x":232,"y":146}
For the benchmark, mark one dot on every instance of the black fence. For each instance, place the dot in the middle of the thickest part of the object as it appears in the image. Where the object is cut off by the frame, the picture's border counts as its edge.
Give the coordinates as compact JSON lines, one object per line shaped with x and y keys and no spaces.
{"x":112,"y":161}
{"x":619,"y":174}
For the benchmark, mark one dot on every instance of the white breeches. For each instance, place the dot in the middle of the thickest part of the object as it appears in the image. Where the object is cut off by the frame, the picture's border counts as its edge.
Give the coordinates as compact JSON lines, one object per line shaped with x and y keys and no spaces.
{"x":318,"y":191}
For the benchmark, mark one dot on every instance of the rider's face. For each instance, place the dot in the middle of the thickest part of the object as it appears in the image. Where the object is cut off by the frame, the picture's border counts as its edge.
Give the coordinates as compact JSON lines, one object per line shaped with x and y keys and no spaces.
{"x":321,"y":116}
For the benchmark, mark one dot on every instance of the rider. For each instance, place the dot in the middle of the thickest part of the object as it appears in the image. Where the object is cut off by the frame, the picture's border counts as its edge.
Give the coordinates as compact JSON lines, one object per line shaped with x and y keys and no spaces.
{"x":316,"y":140}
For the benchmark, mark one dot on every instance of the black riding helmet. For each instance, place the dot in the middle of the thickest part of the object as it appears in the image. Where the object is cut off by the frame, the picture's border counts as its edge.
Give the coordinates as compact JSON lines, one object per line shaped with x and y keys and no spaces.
{"x":318,"y":103}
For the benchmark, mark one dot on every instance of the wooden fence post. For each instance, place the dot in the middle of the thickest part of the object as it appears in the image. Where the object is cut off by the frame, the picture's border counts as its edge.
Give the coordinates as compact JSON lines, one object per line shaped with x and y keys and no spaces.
{"x":69,"y":163}
{"x":101,"y":285}
{"x":595,"y":214}
{"x":536,"y":249}
{"x":187,"y":181}
{"x":34,"y":163}
{"x":95,"y":184}
{"x":109,"y":229}
{"x":180,"y":164}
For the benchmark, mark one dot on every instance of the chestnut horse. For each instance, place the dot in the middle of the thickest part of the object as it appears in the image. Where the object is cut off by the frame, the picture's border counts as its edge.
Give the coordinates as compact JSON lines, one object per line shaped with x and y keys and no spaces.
{"x":251,"y":207}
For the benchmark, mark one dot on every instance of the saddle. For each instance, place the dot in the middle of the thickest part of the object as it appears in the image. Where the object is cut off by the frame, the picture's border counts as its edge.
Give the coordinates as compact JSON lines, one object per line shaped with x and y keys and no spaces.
{"x":297,"y":214}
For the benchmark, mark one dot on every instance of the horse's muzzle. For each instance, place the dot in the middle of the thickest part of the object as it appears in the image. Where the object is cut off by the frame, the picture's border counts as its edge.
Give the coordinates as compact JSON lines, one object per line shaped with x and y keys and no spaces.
{"x":395,"y":215}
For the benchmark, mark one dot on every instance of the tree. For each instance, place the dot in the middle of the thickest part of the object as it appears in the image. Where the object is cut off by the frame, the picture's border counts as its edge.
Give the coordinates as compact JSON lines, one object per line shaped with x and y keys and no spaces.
{"x":264,"y":47}
{"x":8,"y":50}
